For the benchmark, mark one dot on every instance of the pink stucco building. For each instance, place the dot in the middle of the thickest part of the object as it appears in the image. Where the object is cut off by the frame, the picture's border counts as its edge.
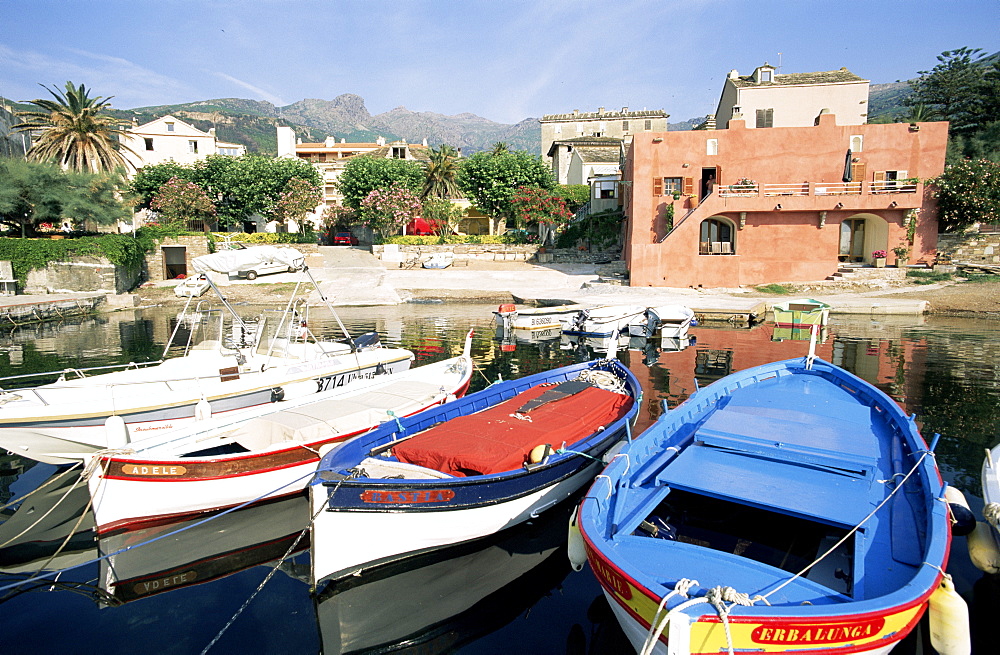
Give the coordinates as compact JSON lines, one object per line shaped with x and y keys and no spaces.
{"x":722,"y":208}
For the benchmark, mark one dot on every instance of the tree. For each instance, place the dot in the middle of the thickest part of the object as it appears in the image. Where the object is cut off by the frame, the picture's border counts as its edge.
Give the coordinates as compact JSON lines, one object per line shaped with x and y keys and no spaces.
{"x":73,"y":132}
{"x":499,"y":148}
{"x":298,"y":199}
{"x":32,"y":193}
{"x":386,"y":211}
{"x":968,"y":192}
{"x":441,"y":173}
{"x":953,"y":89}
{"x":239,"y":187}
{"x":179,"y":201}
{"x":364,"y":174}
{"x":575,"y":195}
{"x":489,"y":180}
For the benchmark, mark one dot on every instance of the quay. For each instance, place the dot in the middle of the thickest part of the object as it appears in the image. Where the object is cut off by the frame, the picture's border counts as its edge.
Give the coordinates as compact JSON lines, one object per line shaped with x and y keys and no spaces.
{"x":354,"y":277}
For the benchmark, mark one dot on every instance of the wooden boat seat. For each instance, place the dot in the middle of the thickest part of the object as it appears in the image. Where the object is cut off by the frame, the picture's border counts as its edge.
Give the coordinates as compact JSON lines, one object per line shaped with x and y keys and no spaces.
{"x":830,"y":496}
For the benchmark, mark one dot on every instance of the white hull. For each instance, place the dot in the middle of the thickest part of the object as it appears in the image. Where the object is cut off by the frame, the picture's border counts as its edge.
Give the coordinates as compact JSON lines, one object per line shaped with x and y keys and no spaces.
{"x":65,"y":422}
{"x":609,"y":321}
{"x":346,"y":542}
{"x":174,"y":478}
{"x":538,"y":318}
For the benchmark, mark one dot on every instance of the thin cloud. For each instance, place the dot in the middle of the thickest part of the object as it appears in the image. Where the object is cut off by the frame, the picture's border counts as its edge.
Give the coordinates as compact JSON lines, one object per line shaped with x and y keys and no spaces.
{"x":270,"y":97}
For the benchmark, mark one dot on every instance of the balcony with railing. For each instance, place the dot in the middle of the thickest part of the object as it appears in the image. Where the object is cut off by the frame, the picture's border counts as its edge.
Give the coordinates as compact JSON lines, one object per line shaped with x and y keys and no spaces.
{"x":879,"y":194}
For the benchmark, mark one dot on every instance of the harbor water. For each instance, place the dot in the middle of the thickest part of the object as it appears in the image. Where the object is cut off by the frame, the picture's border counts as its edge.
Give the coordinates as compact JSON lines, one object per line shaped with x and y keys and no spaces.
{"x":239,"y":582}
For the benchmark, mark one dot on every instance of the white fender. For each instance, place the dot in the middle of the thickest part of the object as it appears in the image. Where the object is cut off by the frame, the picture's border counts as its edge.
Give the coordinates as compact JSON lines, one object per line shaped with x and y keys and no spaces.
{"x":949,"y":620}
{"x":574,"y":545}
{"x":116,"y":432}
{"x":202,"y":411}
{"x":984,"y":551}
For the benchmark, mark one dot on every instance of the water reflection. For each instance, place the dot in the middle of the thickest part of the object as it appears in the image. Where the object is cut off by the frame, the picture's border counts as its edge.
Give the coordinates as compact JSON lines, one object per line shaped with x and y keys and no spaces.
{"x":946,"y":371}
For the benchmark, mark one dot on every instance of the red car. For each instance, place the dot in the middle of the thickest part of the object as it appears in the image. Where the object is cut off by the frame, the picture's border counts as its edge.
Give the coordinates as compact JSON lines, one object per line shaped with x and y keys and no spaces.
{"x":345,"y":239}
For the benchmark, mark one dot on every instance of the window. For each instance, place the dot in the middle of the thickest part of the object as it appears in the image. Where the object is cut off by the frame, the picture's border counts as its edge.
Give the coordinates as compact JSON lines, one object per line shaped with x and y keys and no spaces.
{"x":765,"y":76}
{"x":857,"y":142}
{"x":149,"y":142}
{"x":672,"y":186}
{"x":716,"y":237}
{"x":606,"y":189}
{"x":170,"y":127}
{"x":712,"y":147}
{"x":624,"y":126}
{"x":557,"y":129}
{"x":579,"y":128}
{"x":648,"y":125}
{"x":193,"y":147}
{"x":399,"y":152}
{"x":765,"y":118}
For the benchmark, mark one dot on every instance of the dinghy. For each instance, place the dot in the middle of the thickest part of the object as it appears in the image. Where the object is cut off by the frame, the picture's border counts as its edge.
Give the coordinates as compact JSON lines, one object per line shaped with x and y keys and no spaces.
{"x":790,"y":507}
{"x":260,"y":453}
{"x":467,"y":469}
{"x":801,"y":314}
{"x":511,"y":317}
{"x":218,"y":371}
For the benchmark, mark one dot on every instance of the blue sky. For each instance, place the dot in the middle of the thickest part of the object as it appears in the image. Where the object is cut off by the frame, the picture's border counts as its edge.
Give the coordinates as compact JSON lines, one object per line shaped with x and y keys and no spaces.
{"x":505,"y":60}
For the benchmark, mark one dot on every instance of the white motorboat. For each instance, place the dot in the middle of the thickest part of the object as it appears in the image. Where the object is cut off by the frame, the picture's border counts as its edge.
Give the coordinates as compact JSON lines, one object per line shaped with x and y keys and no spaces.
{"x":218,"y":371}
{"x":606,"y":321}
{"x":671,"y":321}
{"x":512,"y":317}
{"x":257,"y":454}
{"x":439,"y":260}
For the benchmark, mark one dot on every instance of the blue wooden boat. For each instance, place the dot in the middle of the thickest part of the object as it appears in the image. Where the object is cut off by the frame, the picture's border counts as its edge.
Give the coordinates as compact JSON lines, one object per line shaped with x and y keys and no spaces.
{"x":787,"y":507}
{"x":480,"y":464}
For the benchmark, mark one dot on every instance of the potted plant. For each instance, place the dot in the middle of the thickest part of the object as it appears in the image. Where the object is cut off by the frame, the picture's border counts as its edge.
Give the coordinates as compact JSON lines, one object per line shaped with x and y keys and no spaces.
{"x":879,"y":257}
{"x":902,"y":255}
{"x":743,"y":187}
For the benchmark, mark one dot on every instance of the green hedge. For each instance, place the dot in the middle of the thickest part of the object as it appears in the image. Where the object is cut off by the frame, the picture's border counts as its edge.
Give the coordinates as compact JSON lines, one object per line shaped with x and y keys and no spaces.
{"x":27,"y":255}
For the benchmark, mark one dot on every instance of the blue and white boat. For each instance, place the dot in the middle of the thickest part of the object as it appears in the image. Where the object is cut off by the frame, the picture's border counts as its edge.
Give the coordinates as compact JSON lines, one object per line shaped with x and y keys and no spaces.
{"x":455,"y":473}
{"x":787,"y":507}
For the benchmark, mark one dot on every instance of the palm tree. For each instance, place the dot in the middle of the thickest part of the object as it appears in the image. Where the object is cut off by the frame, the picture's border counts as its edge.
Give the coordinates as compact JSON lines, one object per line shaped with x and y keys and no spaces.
{"x":441,"y":173}
{"x":500,"y":147}
{"x":73,"y":132}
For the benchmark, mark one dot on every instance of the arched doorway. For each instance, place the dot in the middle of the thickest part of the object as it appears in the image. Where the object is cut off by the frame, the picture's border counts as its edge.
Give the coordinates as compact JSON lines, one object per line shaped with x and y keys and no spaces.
{"x":860,"y":235}
{"x":717,"y":236}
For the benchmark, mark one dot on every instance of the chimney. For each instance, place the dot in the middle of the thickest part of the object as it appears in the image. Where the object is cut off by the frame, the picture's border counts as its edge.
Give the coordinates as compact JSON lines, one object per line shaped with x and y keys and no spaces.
{"x":733,"y":74}
{"x":576,"y":112}
{"x":600,"y":111}
{"x":624,"y":110}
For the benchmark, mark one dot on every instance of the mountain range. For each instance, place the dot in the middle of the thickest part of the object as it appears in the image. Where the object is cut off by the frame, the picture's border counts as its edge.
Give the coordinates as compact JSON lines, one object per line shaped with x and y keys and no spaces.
{"x":252,"y":122}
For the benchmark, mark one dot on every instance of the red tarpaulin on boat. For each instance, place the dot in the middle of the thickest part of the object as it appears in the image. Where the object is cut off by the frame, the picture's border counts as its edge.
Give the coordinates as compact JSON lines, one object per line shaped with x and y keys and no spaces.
{"x":494,"y":440}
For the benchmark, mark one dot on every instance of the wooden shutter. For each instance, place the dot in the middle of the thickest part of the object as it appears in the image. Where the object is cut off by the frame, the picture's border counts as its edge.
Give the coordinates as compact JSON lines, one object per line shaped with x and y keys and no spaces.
{"x":657,"y":186}
{"x":689,"y":185}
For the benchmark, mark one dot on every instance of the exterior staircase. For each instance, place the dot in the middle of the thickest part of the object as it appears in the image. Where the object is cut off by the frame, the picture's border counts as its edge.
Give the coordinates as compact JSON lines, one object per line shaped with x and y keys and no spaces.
{"x":859,"y":273}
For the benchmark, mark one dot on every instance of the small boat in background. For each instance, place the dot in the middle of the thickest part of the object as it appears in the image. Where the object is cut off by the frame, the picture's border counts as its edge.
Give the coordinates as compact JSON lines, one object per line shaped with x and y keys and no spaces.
{"x":801,"y":314}
{"x":787,"y":508}
{"x":606,"y":321}
{"x":511,"y":317}
{"x":468,"y":469}
{"x":671,"y":321}
{"x":439,"y":260}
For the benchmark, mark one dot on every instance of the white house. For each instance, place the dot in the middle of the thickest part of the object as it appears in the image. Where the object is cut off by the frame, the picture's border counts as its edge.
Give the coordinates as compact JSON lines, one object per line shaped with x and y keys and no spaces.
{"x":171,"y":139}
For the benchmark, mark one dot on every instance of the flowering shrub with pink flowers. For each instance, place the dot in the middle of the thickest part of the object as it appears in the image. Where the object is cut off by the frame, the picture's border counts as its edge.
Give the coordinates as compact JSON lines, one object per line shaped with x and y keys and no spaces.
{"x":878,"y":254}
{"x":386,"y":211}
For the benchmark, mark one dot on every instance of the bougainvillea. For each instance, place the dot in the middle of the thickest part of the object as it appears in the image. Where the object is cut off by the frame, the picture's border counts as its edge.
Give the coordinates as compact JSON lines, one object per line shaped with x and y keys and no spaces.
{"x":179,"y":201}
{"x":536,"y":205}
{"x":386,"y":211}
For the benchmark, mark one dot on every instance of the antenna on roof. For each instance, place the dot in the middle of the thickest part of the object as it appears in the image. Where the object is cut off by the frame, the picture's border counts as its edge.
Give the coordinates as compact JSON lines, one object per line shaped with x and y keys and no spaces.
{"x":779,"y":62}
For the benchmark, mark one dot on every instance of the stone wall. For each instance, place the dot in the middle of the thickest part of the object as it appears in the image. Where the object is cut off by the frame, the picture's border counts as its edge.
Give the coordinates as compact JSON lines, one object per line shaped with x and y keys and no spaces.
{"x":195,"y":247}
{"x":969,"y":247}
{"x":84,"y":274}
{"x":395,"y":253}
